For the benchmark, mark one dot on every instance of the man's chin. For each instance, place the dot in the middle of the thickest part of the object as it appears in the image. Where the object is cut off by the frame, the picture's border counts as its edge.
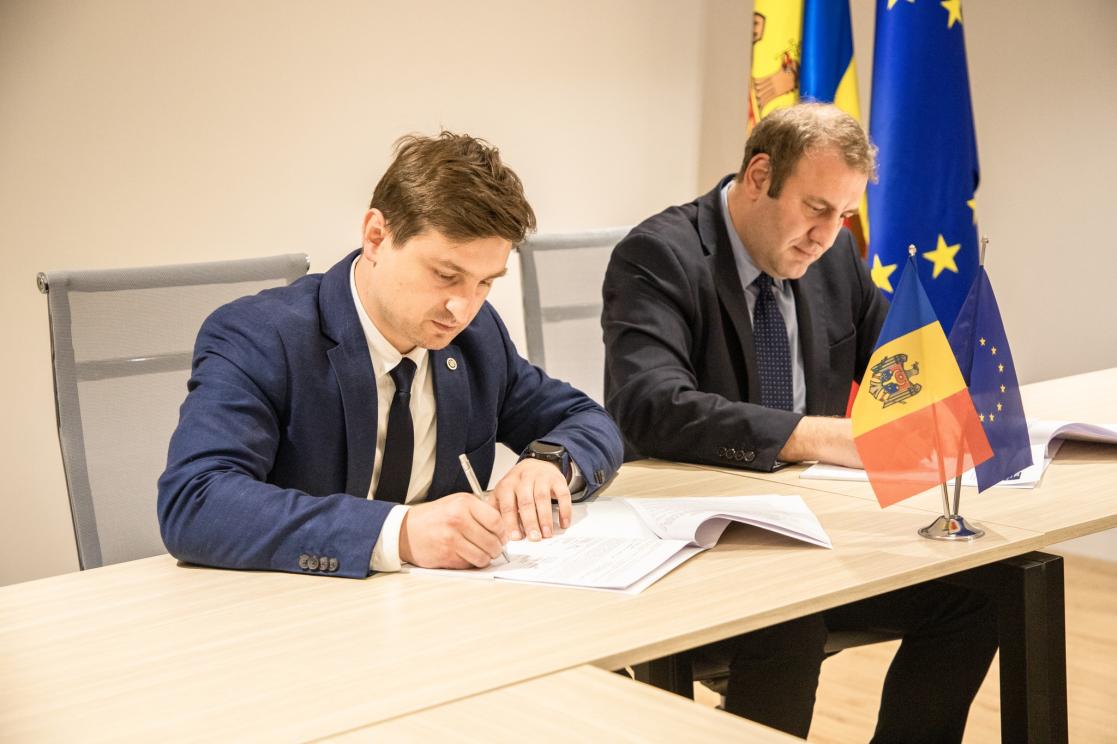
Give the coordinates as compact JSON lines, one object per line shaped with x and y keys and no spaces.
{"x":440,"y":339}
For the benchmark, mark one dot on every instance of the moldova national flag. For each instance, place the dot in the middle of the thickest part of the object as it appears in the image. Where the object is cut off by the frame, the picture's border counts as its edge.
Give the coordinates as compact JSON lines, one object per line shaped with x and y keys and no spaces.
{"x":913,"y":421}
{"x":981,"y":348}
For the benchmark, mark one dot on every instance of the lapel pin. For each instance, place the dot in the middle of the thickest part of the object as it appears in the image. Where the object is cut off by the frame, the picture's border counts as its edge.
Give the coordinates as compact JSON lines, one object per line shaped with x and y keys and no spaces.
{"x":451,"y":363}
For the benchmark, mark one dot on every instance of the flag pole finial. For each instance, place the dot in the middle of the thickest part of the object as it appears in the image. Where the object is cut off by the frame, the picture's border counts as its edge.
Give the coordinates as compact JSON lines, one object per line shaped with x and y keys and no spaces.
{"x":984,"y":244}
{"x":911,"y":249}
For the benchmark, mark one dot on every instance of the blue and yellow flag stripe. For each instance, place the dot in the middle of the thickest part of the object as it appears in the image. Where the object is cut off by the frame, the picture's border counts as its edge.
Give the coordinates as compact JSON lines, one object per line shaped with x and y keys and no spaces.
{"x":829,"y":73}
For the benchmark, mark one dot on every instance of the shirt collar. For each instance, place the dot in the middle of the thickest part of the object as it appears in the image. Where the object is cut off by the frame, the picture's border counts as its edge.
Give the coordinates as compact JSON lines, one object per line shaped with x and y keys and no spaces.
{"x":385,"y":357}
{"x":745,"y":267}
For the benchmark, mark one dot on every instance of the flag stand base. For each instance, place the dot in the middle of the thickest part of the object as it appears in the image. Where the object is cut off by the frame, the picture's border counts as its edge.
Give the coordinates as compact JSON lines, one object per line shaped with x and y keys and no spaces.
{"x":952,"y":528}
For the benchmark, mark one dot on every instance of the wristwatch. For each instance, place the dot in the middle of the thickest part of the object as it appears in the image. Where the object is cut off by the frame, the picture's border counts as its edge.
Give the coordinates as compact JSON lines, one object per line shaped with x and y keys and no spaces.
{"x":553,"y":453}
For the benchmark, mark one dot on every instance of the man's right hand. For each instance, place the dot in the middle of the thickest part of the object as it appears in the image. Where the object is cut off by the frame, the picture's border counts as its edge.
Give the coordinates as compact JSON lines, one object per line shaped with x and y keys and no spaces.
{"x":824,"y":439}
{"x":455,"y":531}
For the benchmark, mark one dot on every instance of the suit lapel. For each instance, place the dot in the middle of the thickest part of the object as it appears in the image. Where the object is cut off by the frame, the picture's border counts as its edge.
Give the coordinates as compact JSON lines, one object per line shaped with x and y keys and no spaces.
{"x":352,"y":368}
{"x":812,"y":339}
{"x":451,"y":396}
{"x":727,"y":282}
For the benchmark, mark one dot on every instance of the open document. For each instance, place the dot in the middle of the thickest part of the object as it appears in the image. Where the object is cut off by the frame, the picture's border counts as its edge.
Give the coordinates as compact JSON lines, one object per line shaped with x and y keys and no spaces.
{"x":626,"y":544}
{"x":1046,"y":437}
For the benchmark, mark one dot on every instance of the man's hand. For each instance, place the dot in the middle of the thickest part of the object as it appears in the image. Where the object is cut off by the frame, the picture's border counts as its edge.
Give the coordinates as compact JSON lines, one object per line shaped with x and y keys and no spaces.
{"x":823,"y":439}
{"x":455,"y":531}
{"x":524,"y":499}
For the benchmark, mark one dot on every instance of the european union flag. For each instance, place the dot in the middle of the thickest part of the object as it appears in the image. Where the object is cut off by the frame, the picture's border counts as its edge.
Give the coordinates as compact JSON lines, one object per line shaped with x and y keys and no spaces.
{"x":981,"y":347}
{"x":922,"y":121}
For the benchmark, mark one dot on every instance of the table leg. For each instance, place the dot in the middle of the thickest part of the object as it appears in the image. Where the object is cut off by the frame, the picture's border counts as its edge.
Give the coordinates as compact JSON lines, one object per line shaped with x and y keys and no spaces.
{"x":1031,"y":624}
{"x":672,"y":673}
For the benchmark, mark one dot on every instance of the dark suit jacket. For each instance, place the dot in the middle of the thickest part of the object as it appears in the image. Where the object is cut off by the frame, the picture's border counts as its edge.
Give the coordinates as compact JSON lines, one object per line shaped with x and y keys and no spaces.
{"x":273,"y":453}
{"x":680,"y":366}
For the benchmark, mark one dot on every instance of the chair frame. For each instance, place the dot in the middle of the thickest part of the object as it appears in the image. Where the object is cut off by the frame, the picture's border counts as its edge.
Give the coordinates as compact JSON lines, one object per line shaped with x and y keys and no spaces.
{"x":535,"y":314}
{"x":57,"y":286}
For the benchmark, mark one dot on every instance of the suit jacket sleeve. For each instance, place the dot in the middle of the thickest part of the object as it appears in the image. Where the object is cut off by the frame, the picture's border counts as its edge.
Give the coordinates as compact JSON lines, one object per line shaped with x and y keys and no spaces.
{"x":216,"y":506}
{"x":536,"y":406}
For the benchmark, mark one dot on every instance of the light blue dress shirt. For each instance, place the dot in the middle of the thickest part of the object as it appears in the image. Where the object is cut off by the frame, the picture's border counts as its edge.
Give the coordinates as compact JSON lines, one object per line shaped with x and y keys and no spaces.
{"x":785,"y":299}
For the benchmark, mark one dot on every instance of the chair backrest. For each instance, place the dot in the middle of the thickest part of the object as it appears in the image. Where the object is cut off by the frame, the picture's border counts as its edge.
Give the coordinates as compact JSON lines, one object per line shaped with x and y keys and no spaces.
{"x":121,"y":344}
{"x":562,"y":276}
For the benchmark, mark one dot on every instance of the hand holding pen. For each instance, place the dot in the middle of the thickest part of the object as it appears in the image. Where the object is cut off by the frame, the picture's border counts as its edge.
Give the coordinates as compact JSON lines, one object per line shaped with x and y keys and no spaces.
{"x":475,"y":486}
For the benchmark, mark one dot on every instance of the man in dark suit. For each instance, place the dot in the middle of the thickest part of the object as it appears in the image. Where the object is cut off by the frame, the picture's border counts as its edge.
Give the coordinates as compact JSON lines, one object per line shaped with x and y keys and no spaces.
{"x":323,"y":424}
{"x":734,"y":327}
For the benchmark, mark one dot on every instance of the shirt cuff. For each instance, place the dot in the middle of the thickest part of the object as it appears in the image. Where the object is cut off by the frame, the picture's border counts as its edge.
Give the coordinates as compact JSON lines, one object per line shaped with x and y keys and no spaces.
{"x":385,"y":554}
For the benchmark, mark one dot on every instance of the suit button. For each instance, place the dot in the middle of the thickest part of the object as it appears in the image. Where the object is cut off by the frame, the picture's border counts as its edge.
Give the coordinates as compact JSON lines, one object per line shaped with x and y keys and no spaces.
{"x":750,"y":456}
{"x":333,"y":565}
{"x":312,"y":564}
{"x":304,"y":561}
{"x":721,"y":451}
{"x":738,"y":455}
{"x":599,"y":475}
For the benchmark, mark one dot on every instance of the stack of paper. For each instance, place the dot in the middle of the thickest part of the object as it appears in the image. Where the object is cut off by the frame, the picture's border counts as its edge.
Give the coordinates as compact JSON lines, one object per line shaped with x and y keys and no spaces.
{"x":626,"y":544}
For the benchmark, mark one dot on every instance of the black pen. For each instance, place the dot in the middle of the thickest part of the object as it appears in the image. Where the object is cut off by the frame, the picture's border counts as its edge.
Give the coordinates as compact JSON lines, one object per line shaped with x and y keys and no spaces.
{"x":476,"y":486}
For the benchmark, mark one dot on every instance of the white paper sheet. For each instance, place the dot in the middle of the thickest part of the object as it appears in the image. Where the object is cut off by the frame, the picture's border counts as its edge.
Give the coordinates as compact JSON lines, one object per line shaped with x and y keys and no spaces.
{"x":628,"y":544}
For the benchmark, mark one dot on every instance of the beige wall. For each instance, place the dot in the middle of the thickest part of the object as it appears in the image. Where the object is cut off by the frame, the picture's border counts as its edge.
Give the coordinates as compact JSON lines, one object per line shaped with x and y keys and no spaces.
{"x":152,"y":132}
{"x":136,"y":133}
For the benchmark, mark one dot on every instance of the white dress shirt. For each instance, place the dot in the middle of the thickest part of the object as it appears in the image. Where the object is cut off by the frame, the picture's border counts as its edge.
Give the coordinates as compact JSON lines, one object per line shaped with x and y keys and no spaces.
{"x":785,"y":300}
{"x":385,"y":357}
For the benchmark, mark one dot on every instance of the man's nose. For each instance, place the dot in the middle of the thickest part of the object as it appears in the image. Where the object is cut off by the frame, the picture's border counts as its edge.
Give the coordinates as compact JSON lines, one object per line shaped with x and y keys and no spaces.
{"x":825,"y":231}
{"x":458,"y":306}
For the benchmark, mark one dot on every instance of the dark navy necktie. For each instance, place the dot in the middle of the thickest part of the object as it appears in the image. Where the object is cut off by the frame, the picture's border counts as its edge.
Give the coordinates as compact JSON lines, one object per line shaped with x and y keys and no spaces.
{"x":399,"y":446}
{"x":773,"y":352}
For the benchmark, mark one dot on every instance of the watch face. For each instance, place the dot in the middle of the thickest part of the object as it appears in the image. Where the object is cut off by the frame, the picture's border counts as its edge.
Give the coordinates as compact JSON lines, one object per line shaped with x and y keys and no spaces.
{"x":547,"y":450}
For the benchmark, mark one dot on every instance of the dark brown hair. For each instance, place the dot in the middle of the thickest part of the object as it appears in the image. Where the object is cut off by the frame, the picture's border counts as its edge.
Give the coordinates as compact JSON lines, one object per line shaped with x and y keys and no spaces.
{"x":786,"y":134}
{"x":455,"y":184}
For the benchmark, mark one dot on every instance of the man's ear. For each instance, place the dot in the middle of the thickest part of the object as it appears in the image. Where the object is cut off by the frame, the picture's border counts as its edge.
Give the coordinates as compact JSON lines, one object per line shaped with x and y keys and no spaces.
{"x":757,"y":176}
{"x":374,"y":232}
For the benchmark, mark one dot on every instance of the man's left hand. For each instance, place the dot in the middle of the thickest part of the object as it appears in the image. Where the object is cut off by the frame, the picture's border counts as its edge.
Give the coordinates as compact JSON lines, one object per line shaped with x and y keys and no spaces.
{"x":524,"y":495}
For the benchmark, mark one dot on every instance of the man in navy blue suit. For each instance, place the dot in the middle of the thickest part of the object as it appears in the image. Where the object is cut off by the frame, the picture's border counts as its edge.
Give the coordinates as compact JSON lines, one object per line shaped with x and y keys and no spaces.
{"x":324,"y":421}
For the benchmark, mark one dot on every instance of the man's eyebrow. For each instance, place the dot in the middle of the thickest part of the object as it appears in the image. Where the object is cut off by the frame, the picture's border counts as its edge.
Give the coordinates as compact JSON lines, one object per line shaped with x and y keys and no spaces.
{"x":818,"y":200}
{"x":450,"y":266}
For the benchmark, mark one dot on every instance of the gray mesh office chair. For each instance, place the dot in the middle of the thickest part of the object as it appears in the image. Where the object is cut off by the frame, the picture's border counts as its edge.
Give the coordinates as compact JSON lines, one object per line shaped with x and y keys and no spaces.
{"x":562,"y":275}
{"x":121,"y":344}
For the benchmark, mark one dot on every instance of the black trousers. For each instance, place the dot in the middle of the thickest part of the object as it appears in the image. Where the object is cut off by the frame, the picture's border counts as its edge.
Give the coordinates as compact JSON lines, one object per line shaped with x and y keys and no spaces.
{"x":949,"y":639}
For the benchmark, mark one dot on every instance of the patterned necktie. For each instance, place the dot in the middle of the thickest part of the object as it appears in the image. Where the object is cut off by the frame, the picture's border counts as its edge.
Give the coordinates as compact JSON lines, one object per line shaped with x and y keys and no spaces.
{"x":773,"y":353}
{"x":399,"y":446}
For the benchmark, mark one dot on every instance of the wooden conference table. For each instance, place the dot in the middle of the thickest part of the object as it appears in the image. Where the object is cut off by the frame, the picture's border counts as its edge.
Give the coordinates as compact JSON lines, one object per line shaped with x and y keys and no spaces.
{"x":153,"y":648}
{"x":1077,"y":496}
{"x":579,"y":704}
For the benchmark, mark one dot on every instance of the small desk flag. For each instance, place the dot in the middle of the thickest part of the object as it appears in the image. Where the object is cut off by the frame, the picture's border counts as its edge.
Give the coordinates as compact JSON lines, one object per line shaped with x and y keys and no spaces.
{"x":922,"y":121}
{"x":981,"y":348}
{"x":914,"y":423}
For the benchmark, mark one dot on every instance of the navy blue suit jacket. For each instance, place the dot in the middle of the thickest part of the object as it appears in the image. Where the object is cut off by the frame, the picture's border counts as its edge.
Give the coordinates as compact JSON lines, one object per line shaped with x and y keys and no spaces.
{"x":273,"y":453}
